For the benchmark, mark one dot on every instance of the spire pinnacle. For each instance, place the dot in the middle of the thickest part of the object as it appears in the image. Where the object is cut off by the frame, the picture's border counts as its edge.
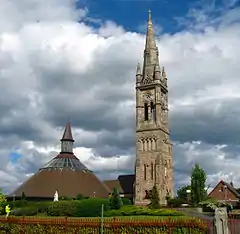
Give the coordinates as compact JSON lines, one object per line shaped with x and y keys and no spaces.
{"x":150,"y":39}
{"x":149,"y":16}
{"x":67,"y":134}
{"x":164,"y":73}
{"x":138,"y":72}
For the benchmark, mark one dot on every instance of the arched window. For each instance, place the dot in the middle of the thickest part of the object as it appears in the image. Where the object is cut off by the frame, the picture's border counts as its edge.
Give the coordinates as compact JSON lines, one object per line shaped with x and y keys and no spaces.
{"x":145,"y":111}
{"x":153,"y":115}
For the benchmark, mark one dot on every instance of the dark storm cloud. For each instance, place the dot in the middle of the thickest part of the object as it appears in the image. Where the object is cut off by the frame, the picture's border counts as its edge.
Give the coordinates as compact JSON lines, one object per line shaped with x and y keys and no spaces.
{"x":214,"y":122}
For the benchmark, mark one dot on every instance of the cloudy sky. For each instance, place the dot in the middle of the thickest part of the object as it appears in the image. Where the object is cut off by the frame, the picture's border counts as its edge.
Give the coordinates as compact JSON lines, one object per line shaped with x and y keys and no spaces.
{"x":62,"y":59}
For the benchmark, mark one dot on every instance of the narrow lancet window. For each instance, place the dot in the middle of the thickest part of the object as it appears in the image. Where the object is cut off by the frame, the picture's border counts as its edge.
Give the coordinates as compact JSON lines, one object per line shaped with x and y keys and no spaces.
{"x":145,"y":172}
{"x":152,"y":111}
{"x":152,"y":171}
{"x":155,"y":171}
{"x":145,"y":111}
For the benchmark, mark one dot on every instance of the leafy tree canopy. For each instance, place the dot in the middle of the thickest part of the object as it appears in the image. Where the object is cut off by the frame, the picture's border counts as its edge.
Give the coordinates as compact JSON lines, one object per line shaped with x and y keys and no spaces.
{"x":198,"y":184}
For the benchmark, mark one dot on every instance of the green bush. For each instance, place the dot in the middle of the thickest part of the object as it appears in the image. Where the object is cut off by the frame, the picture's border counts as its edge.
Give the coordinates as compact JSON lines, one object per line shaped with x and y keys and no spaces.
{"x":84,"y":208}
{"x":91,"y":207}
{"x":62,"y":208}
{"x":80,"y":197}
{"x":18,"y":203}
{"x":65,"y":198}
{"x":126,"y":201}
{"x":40,"y":206}
{"x":25,"y":211}
{"x":3,"y":202}
{"x":138,"y":211}
{"x":175,"y":202}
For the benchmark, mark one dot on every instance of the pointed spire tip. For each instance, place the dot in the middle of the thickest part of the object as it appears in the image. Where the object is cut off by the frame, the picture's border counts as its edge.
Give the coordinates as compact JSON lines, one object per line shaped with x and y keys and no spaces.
{"x":149,"y":16}
{"x":138,"y":69}
{"x":67,"y":135}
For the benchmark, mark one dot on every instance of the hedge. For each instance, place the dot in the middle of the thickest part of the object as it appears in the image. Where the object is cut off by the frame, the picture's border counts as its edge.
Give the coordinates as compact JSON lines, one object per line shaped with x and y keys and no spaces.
{"x":48,"y":226}
{"x":85,"y":208}
{"x":32,"y":208}
{"x":88,"y":208}
{"x":138,"y":211}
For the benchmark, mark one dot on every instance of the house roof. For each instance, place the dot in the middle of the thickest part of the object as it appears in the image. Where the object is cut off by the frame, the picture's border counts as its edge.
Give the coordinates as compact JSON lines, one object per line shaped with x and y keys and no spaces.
{"x":113,"y":184}
{"x":124,"y":184}
{"x":231,"y":188}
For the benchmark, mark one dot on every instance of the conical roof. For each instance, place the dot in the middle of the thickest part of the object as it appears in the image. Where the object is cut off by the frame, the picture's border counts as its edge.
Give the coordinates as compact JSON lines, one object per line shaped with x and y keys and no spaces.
{"x":65,"y":173}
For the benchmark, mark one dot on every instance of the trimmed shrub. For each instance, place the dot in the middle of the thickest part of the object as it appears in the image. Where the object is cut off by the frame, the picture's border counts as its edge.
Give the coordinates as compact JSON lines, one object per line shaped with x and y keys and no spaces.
{"x":80,"y":197}
{"x":85,"y":208}
{"x":25,"y":211}
{"x":91,"y":207}
{"x":65,"y":198}
{"x":62,"y":208}
{"x":18,"y":203}
{"x":138,"y":211}
{"x":175,"y":202}
{"x":126,"y":201}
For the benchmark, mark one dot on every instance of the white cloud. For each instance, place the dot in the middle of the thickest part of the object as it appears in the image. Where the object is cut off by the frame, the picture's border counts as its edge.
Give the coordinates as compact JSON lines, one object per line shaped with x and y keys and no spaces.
{"x":58,"y":68}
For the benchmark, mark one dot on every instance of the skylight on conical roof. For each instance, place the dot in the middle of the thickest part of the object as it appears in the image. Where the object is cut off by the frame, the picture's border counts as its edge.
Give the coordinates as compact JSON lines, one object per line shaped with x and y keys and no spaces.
{"x":63,"y":161}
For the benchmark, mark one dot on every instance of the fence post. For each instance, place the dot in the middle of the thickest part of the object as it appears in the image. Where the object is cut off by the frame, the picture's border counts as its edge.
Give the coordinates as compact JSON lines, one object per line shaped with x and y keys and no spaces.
{"x":66,"y":223}
{"x":114,"y":225}
{"x":169,"y":225}
{"x":221,"y":221}
{"x":22,"y":226}
{"x":102,"y":218}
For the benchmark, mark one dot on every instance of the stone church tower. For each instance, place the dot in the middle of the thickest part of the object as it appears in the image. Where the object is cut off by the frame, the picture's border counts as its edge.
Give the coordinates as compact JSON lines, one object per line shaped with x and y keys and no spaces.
{"x":154,"y":162}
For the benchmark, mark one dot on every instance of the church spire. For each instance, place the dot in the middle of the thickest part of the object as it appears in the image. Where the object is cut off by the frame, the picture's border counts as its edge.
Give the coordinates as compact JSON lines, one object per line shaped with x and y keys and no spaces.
{"x":150,"y":38}
{"x":67,"y":135}
{"x":67,"y":140}
{"x":150,"y":53}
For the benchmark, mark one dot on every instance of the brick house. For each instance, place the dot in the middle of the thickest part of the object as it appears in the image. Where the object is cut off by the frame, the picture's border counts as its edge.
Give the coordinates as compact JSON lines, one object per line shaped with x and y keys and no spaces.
{"x":225,"y":192}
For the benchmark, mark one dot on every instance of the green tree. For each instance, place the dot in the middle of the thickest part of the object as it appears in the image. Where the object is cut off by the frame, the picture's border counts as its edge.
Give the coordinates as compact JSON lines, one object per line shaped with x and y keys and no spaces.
{"x":3,"y":202}
{"x":182,"y":192}
{"x":198,"y":184}
{"x":154,"y":198}
{"x":115,"y":200}
{"x":23,"y":197}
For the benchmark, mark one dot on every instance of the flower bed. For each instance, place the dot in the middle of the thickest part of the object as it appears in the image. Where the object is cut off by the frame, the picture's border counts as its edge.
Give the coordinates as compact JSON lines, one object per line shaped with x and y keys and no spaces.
{"x":91,"y":226}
